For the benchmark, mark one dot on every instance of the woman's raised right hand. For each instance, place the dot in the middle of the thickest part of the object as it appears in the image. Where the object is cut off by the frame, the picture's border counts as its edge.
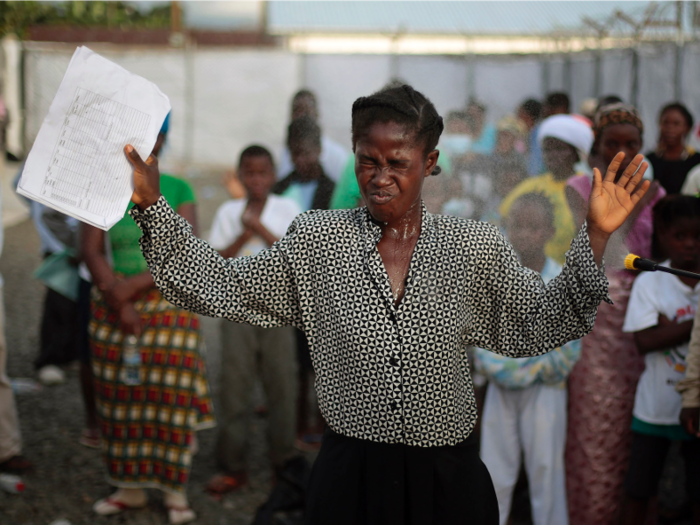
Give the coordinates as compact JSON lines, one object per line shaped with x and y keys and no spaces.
{"x":146,"y":178}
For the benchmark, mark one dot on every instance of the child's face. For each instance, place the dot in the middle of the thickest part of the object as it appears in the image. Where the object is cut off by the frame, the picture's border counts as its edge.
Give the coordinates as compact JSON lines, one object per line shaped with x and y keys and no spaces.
{"x":617,"y":138}
{"x":257,"y":176}
{"x":528,"y":229}
{"x":682,"y":243}
{"x":505,"y":141}
{"x":559,"y":157}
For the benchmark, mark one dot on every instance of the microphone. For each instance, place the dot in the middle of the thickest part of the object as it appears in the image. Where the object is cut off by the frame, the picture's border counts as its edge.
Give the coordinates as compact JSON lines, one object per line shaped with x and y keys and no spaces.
{"x":635,"y":262}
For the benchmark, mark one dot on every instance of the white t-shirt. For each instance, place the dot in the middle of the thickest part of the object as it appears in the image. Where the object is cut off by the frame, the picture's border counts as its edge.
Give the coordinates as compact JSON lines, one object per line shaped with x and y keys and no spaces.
{"x":333,"y":158}
{"x":691,"y":186}
{"x":277,"y":215}
{"x":657,"y":401}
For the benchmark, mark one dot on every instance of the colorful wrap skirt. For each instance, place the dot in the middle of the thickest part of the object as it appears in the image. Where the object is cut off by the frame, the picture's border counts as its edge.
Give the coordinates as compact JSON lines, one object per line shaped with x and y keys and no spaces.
{"x":602,"y":386}
{"x":148,"y":429}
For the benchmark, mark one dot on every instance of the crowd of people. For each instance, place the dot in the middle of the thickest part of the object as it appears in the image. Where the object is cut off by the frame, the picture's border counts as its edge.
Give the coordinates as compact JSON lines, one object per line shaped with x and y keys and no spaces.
{"x":588,"y":425}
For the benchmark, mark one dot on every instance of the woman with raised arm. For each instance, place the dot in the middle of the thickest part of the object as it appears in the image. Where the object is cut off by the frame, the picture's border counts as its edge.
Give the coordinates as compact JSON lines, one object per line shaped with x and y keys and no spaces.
{"x":389,"y":297}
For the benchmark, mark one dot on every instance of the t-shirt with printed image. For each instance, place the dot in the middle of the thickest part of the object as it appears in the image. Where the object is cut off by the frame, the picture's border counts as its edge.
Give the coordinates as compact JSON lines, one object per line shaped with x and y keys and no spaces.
{"x":656,"y":401}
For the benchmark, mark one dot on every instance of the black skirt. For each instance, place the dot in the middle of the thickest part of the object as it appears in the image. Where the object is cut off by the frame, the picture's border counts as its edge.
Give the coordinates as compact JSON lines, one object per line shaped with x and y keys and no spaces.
{"x":360,"y":482}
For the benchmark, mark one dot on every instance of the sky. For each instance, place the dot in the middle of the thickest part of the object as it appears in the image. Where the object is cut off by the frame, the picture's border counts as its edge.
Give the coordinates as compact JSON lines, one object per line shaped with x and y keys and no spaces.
{"x":452,"y":16}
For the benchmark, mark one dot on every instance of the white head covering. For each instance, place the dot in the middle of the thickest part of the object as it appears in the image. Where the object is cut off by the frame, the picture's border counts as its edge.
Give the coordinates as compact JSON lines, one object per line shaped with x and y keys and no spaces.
{"x":567,"y":128}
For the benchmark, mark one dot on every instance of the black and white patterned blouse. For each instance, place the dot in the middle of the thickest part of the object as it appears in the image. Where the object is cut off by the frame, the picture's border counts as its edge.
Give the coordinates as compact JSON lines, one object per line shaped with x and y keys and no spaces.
{"x":383,"y":373}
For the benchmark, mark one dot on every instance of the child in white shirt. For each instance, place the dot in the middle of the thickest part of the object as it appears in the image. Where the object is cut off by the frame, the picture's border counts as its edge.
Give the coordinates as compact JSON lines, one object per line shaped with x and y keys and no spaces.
{"x":244,"y":227}
{"x":660,"y":313}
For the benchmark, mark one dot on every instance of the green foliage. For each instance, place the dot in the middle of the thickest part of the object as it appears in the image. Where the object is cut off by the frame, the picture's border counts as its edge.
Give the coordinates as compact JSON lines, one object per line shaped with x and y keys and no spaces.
{"x":17,"y":16}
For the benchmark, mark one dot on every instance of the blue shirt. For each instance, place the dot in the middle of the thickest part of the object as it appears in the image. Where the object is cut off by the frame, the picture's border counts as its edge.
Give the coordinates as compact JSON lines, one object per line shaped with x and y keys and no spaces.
{"x":535,"y":165}
{"x":302,"y":193}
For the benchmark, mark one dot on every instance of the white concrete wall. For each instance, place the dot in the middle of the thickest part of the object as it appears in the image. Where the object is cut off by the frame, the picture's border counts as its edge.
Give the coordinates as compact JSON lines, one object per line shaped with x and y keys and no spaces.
{"x":224,"y":99}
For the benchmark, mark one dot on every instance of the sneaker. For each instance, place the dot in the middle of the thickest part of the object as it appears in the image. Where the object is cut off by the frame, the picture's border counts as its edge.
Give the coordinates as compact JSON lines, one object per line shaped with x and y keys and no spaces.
{"x":51,"y":375}
{"x":24,"y":386}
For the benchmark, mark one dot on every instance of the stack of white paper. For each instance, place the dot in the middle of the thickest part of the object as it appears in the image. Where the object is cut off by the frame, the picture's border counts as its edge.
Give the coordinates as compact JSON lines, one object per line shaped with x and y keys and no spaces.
{"x":77,"y":164}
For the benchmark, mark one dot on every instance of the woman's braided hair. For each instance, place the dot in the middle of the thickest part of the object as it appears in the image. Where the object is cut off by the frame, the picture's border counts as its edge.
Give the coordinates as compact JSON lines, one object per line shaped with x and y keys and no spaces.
{"x":403,"y":105}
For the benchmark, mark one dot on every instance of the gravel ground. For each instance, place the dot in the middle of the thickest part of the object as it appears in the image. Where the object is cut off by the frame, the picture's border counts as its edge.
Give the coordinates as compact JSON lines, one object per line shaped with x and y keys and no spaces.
{"x":68,"y":477}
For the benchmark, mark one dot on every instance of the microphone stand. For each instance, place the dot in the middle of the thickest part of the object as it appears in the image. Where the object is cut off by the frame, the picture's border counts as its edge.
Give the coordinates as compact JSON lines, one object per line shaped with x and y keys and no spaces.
{"x":635,"y":262}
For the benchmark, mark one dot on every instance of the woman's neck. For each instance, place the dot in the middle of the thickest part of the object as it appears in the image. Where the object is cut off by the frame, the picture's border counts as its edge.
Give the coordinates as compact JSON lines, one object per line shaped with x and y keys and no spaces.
{"x":673,"y":151}
{"x":257,"y":202}
{"x":405,"y":227}
{"x":314,"y":173}
{"x":688,"y":267}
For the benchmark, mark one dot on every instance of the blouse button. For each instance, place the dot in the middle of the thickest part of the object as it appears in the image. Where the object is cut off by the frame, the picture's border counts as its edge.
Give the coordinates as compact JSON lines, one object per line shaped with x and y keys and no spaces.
{"x":393,"y":361}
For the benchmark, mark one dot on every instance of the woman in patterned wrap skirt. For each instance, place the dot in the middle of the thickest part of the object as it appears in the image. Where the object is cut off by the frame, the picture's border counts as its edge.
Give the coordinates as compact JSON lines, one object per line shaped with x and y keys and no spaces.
{"x":602,"y":384}
{"x":147,"y":429}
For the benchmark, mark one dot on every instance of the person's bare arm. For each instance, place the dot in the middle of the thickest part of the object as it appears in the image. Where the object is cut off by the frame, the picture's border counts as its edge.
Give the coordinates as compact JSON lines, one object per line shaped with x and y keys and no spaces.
{"x":235,"y":247}
{"x":612,"y":202}
{"x":252,"y":222}
{"x":117,"y":292}
{"x":690,"y":419}
{"x":665,"y":334}
{"x":579,"y":208}
{"x":92,"y":243}
{"x":251,"y":226}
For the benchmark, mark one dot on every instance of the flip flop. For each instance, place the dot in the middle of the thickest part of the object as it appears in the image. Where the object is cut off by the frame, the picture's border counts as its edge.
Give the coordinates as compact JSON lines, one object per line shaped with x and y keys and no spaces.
{"x":109,"y":506}
{"x":90,"y":437}
{"x":180,"y":515}
{"x":225,"y":483}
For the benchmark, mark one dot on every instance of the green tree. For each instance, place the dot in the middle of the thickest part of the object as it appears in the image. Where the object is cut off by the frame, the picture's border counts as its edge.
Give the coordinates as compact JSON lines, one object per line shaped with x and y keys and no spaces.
{"x":17,"y":16}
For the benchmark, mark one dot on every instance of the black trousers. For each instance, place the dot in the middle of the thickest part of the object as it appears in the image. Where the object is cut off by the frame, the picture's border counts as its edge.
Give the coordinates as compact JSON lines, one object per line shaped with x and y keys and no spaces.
{"x":59,"y":331}
{"x":359,"y":482}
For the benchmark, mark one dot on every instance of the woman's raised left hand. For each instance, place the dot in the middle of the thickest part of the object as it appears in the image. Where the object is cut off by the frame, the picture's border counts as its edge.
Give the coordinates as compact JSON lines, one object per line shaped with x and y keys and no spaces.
{"x":611,"y":202}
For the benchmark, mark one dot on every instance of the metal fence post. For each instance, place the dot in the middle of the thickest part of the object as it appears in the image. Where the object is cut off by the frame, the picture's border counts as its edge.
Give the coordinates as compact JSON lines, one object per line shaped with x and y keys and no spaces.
{"x":634,"y":73}
{"x":190,"y":79}
{"x":678,"y":72}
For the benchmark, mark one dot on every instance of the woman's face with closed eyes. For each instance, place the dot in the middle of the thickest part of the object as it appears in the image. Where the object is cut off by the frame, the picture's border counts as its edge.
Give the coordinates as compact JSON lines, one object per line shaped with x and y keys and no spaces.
{"x":391,"y":165}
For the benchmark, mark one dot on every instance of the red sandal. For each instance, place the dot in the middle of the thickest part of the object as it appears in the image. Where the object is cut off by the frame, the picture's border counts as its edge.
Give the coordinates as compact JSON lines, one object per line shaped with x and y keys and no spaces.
{"x":225,"y":483}
{"x":109,"y":506}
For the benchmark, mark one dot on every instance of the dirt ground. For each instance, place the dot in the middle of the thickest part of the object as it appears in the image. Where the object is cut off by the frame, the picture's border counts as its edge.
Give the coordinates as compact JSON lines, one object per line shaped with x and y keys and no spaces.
{"x":68,"y":477}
